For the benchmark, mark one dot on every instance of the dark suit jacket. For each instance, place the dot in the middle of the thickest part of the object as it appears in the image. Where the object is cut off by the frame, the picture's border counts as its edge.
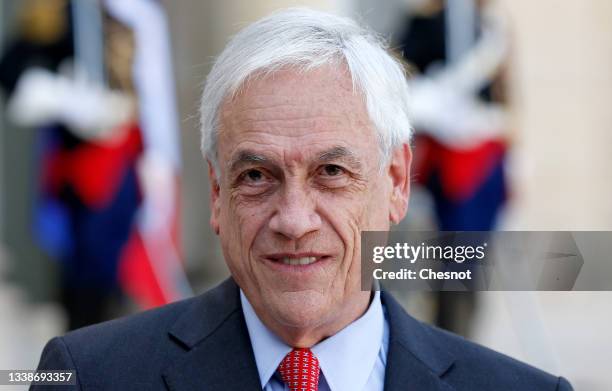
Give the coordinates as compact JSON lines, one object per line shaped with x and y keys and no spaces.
{"x":203,"y":344}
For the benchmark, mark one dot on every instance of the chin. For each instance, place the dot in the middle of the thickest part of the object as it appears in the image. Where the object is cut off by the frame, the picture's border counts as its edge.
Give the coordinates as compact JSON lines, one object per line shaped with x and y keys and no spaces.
{"x":302,"y":309}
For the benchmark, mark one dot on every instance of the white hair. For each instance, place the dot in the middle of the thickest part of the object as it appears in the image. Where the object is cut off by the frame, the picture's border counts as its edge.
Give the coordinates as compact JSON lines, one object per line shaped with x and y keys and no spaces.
{"x":307,"y":39}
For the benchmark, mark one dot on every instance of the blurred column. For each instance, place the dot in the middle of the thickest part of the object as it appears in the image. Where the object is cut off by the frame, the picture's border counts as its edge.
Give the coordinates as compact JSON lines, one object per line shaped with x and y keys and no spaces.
{"x":564,"y":89}
{"x":561,"y":170}
{"x":24,"y":263}
{"x":2,"y":125}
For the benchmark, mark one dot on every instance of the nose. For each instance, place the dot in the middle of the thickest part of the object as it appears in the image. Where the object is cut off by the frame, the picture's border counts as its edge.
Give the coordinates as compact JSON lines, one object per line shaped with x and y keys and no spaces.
{"x":295,"y":215}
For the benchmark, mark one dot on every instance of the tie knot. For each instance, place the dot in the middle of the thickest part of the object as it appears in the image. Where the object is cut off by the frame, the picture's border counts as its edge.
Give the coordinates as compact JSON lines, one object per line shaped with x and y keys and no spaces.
{"x":300,"y":370}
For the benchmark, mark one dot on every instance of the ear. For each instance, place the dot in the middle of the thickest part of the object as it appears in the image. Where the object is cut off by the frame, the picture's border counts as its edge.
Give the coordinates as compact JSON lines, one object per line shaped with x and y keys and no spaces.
{"x":215,"y":203}
{"x":399,"y":173}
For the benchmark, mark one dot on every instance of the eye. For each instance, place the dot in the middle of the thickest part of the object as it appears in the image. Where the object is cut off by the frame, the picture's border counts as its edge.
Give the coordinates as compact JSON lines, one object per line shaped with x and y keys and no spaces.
{"x":253,"y":175}
{"x":332,"y":176}
{"x":332,"y":170}
{"x":254,"y":181}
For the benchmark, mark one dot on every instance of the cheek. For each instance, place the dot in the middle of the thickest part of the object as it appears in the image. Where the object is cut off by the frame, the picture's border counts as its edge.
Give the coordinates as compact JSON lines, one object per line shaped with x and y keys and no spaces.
{"x":377,"y":204}
{"x":364,"y":211}
{"x":346,"y":217}
{"x":242,"y":221}
{"x":240,"y":226}
{"x":341,"y":211}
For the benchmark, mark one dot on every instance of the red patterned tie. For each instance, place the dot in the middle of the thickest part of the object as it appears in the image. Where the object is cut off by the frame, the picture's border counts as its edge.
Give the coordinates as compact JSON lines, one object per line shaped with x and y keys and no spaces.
{"x":300,"y":370}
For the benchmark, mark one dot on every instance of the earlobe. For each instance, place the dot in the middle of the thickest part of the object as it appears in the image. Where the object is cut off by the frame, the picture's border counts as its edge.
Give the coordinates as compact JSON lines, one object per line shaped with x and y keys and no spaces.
{"x":399,"y":173}
{"x":214,"y":197}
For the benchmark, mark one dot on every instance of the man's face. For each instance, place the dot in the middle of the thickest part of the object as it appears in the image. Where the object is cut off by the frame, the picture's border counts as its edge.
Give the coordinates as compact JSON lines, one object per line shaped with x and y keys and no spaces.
{"x":299,"y":180}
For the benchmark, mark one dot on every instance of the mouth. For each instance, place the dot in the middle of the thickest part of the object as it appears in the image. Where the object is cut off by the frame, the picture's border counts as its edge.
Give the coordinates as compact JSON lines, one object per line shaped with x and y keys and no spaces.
{"x":300,"y":260}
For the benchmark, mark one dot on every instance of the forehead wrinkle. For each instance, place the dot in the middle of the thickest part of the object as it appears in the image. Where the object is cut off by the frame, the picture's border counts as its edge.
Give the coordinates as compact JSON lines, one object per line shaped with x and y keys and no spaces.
{"x":281,"y":122}
{"x":290,"y":105}
{"x":291,"y":129}
{"x":298,"y":113}
{"x":264,"y":108}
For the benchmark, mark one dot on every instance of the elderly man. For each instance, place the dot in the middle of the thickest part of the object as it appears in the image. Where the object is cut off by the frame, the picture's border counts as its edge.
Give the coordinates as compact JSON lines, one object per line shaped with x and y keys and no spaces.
{"x":306,"y":133}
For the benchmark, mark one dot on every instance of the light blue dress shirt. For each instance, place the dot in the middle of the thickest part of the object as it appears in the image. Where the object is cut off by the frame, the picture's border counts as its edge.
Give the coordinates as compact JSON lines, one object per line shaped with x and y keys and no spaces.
{"x":353,"y":359}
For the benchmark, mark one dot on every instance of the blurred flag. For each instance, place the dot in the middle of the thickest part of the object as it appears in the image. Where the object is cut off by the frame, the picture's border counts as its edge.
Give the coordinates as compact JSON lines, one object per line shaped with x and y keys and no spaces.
{"x":151,"y":269}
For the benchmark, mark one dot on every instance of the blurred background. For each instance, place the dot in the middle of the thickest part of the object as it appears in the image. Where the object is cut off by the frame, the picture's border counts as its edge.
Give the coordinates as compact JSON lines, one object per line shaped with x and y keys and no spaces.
{"x":104,"y":198}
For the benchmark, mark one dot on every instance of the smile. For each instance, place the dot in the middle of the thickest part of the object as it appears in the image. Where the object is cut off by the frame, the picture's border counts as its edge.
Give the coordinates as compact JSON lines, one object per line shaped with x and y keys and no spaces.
{"x":299,"y":260}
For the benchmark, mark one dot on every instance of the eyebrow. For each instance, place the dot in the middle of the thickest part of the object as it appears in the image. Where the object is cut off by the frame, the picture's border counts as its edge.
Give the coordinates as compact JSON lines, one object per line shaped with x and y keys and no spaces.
{"x":246,"y":157}
{"x":340,"y":153}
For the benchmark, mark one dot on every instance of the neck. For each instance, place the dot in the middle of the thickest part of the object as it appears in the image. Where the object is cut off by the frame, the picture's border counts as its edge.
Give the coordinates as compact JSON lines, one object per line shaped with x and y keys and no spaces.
{"x":308,"y":336}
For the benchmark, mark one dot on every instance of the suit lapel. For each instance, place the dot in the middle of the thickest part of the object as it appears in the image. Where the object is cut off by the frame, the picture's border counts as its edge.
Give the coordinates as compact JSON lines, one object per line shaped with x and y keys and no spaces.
{"x":415,"y":361}
{"x":218,"y":354}
{"x":218,"y":349}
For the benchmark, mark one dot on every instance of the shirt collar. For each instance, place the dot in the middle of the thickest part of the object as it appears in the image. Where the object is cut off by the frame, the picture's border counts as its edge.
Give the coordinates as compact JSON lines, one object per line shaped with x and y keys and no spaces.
{"x":346,"y":358}
{"x":269,"y":349}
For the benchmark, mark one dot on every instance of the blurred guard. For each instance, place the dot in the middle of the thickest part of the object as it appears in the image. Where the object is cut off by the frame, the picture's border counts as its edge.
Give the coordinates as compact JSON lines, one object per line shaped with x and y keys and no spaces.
{"x":457,"y":50}
{"x":101,"y":175}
